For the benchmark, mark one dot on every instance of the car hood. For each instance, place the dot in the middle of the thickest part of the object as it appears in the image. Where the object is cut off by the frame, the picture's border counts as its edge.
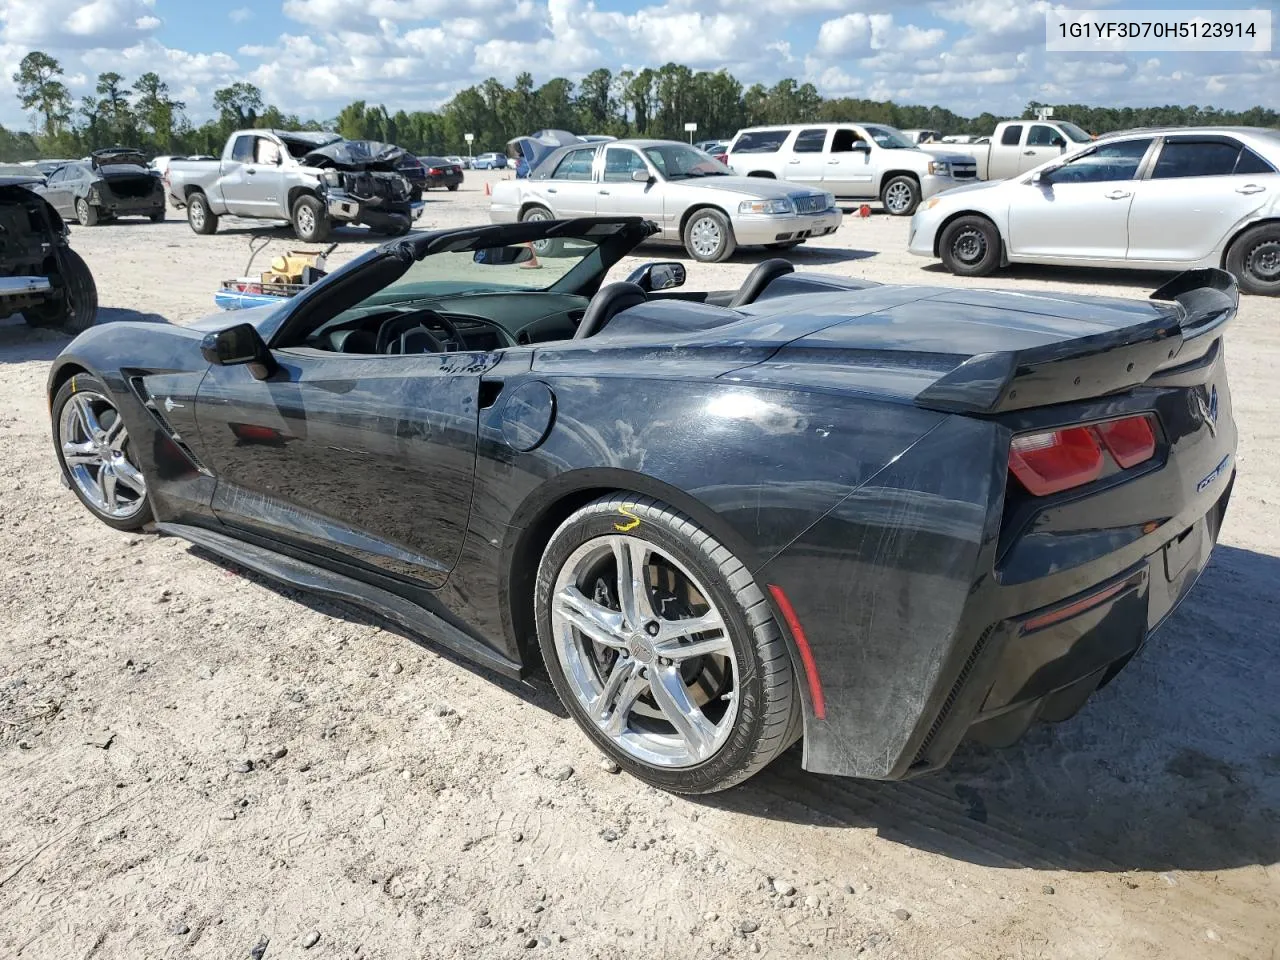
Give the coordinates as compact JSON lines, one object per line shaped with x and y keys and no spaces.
{"x":259,"y":317}
{"x":754,"y":187}
{"x":977,"y":187}
{"x":950,"y":157}
{"x":356,"y":155}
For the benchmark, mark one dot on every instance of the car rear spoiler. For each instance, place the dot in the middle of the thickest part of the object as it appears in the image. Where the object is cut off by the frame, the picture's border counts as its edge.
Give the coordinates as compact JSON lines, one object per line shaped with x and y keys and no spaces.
{"x":1204,"y":301}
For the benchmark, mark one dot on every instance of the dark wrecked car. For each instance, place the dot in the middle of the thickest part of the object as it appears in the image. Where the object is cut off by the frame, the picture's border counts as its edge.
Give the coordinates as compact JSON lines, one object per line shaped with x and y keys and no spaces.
{"x":873,"y":518}
{"x":41,"y":277}
{"x":313,"y":180}
{"x":112,"y":183}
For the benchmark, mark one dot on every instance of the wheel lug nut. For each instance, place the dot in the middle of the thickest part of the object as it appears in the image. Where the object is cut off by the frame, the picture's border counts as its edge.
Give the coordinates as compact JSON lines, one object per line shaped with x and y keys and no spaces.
{"x":651,"y":628}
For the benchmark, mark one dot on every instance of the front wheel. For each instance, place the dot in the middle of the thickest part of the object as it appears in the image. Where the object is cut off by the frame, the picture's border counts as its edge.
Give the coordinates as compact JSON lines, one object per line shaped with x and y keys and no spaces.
{"x":708,"y":236}
{"x":309,"y":221}
{"x":970,"y":247}
{"x":1254,"y":260}
{"x":96,"y":455}
{"x":901,"y":196}
{"x":662,"y":647}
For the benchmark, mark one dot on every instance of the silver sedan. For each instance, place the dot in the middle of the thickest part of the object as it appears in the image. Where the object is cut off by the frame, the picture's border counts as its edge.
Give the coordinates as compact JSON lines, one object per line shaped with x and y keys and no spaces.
{"x":695,"y":200}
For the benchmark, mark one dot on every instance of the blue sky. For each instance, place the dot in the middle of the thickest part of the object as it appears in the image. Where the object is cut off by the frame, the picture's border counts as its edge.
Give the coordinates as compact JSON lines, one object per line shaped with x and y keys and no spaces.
{"x":312,"y":56}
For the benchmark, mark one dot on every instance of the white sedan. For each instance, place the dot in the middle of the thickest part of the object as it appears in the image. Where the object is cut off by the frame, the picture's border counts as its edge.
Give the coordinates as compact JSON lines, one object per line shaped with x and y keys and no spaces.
{"x":1151,"y":200}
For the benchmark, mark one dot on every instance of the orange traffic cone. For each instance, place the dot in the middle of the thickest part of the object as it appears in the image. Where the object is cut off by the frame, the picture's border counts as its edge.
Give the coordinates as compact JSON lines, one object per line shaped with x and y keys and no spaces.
{"x":532,"y":263}
{"x":487,"y":191}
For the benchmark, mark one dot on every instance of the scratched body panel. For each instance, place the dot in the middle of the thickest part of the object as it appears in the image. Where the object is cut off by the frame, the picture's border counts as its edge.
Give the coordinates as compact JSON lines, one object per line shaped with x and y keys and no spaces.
{"x":848,"y":442}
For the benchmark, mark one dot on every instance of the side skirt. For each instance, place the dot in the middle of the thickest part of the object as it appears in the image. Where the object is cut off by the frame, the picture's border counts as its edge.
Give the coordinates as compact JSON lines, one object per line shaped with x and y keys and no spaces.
{"x":316,"y":579}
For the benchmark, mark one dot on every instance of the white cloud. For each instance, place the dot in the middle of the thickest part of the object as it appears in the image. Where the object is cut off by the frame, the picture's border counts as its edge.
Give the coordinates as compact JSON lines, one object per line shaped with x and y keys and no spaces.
{"x":968,"y":55}
{"x":74,"y":24}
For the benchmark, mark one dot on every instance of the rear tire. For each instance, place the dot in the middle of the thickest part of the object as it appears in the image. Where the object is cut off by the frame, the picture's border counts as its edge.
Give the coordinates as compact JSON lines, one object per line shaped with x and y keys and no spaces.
{"x":86,"y":213}
{"x":735,"y":706}
{"x":158,"y":217}
{"x":201,"y":219}
{"x":970,"y":247}
{"x":77,"y":309}
{"x":900,"y":196}
{"x":542,"y":248}
{"x":310,"y":223}
{"x":1254,"y":260}
{"x":708,"y":236}
{"x":453,"y":187}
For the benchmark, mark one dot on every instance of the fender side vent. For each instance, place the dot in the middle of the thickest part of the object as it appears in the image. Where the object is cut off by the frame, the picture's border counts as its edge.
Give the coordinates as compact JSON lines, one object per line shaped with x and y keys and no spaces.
{"x":950,"y":702}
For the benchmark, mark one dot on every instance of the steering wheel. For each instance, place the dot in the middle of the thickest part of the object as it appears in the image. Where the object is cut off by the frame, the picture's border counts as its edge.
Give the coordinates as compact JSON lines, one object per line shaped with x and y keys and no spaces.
{"x":394,"y":331}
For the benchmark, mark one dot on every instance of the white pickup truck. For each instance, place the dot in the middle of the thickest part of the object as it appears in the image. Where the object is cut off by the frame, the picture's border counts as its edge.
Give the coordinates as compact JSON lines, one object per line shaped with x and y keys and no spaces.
{"x":1016,"y":146}
{"x":310,"y":179}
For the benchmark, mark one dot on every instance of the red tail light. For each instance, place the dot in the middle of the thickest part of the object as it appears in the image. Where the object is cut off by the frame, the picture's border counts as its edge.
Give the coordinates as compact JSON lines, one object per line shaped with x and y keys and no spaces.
{"x":434,"y":171}
{"x":1131,"y":441}
{"x":1058,"y":460}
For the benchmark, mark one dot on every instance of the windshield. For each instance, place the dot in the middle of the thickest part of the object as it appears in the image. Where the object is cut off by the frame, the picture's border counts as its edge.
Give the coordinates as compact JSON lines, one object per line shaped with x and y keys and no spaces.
{"x":1075,"y":133}
{"x":889,"y":138}
{"x":679,"y":161}
{"x":517,"y":268}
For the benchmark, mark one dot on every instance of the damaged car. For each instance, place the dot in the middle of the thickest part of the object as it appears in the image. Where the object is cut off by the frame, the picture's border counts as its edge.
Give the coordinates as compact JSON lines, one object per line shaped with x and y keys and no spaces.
{"x":313,"y":180}
{"x":114,"y":182}
{"x":41,"y":277}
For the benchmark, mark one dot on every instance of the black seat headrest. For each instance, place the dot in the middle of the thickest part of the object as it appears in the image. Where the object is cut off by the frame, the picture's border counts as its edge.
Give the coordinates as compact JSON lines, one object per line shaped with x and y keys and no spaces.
{"x":606,"y":304}
{"x":758,"y":279}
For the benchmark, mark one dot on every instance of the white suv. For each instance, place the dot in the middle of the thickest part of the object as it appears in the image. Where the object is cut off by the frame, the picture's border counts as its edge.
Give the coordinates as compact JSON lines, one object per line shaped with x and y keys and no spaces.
{"x":854,"y":161}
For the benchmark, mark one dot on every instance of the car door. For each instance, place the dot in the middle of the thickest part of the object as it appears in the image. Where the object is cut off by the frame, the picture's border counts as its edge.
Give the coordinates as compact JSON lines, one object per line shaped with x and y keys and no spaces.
{"x":618,"y":194}
{"x":1042,"y":144}
{"x":1079,"y":210}
{"x":850,"y":169}
{"x":571,"y":190}
{"x":239,"y":182}
{"x":807,"y":163}
{"x":368,"y":458}
{"x":1004,"y":155}
{"x":1199,"y":188}
{"x":55,"y":191}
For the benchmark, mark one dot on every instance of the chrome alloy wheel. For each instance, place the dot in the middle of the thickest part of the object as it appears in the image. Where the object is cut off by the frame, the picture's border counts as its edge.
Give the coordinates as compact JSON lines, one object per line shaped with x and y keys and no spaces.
{"x":540,"y":247}
{"x":95,"y":447}
{"x":196,"y":214}
{"x":897,"y":198}
{"x":306,"y":220}
{"x":645,"y":651}
{"x":705,"y":236}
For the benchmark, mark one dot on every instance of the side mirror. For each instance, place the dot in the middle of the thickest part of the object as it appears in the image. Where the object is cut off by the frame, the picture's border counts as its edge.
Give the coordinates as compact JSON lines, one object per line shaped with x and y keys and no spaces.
{"x":279,"y":159}
{"x":236,"y":345}
{"x":642,"y":176}
{"x":1042,"y":179}
{"x":659,"y":276}
{"x":1059,"y":143}
{"x":861,"y":146}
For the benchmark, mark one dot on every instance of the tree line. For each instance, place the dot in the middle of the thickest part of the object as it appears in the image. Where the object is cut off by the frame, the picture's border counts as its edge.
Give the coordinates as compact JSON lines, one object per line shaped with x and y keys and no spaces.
{"x":650,"y":102}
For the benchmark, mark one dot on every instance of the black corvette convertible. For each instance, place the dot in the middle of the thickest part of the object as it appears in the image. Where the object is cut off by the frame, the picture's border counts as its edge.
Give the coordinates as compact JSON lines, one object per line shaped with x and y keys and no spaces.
{"x":875,"y":518}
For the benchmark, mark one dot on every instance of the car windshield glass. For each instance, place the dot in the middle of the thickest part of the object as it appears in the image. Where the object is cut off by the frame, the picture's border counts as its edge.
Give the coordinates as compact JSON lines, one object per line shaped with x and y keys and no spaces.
{"x":1074,"y":132}
{"x":888,"y":138}
{"x":678,"y":161}
{"x":494,"y":270}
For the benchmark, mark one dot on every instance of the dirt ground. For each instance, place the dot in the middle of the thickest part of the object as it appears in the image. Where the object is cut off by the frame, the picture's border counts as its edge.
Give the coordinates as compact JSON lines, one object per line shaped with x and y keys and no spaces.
{"x":198,"y":763}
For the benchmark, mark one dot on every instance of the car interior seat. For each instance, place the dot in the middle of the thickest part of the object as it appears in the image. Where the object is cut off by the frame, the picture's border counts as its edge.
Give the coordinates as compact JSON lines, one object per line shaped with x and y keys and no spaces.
{"x":606,"y":304}
{"x":760,"y":278}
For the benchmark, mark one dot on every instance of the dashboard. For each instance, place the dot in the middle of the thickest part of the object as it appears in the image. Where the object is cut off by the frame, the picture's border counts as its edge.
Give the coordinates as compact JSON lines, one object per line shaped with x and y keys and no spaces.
{"x":464,"y":322}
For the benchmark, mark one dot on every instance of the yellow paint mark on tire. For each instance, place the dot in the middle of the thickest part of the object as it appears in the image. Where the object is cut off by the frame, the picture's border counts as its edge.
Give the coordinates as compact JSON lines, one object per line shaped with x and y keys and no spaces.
{"x":626,"y":527}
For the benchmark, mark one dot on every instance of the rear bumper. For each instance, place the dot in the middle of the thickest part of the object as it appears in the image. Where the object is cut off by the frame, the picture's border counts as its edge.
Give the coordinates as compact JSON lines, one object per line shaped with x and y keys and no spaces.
{"x":113,"y":206}
{"x":1045,"y":663}
{"x":452,"y":180}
